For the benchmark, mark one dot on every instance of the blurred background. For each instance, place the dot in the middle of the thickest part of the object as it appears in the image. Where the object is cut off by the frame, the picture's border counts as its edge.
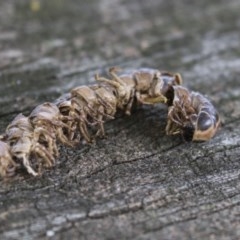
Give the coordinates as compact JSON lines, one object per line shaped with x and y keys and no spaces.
{"x":47,"y":47}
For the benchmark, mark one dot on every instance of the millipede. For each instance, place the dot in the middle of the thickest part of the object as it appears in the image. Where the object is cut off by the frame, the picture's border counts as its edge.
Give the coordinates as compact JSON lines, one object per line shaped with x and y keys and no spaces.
{"x":30,"y":142}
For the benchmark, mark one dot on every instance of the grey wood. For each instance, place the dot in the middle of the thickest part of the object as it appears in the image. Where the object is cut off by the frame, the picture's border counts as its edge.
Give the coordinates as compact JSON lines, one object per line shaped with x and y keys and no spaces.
{"x":138,"y":183}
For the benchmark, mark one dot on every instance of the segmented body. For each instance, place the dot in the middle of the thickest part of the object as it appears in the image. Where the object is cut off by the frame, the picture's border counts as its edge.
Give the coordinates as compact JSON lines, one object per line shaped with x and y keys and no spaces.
{"x":49,"y":122}
{"x":25,"y":142}
{"x":192,"y":115}
{"x":81,"y":114}
{"x":92,"y":105}
{"x":7,"y":165}
{"x":147,"y":86}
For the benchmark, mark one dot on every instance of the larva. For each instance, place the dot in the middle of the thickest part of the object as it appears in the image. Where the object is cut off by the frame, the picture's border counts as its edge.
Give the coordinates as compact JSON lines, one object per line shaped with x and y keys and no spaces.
{"x":32,"y":141}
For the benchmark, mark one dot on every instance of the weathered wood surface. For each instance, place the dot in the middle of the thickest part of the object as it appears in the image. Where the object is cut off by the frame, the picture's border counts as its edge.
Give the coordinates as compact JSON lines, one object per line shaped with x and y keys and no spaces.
{"x":137,"y":183}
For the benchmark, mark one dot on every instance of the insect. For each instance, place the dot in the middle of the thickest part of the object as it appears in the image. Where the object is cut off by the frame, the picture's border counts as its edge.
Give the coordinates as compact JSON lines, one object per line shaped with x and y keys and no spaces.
{"x":81,"y":114}
{"x":192,"y":115}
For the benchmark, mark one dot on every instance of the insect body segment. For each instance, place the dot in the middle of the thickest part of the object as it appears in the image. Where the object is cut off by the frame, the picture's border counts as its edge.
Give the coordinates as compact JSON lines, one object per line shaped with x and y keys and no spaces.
{"x":147,"y":86}
{"x":7,"y":165}
{"x":25,"y":141}
{"x":32,"y":141}
{"x":192,"y":115}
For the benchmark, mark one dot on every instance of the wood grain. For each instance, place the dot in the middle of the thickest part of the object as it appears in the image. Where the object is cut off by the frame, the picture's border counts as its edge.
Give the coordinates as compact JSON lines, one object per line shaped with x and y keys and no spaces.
{"x":138,"y":183}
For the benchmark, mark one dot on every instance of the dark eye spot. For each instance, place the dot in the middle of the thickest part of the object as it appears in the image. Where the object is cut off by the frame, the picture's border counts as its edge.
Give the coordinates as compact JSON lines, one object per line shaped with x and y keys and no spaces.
{"x":204,"y":121}
{"x":188,"y":132}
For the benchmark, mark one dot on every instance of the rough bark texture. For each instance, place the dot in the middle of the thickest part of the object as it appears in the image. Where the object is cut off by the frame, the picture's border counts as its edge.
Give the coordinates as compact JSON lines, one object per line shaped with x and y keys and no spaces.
{"x":138,"y":183}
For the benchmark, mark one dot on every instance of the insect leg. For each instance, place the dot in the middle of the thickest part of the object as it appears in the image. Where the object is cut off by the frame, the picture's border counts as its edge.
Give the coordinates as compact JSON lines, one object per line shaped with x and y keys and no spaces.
{"x":129,"y":105}
{"x":63,"y":138}
{"x":26,"y":164}
{"x":48,"y":138}
{"x":112,"y":72}
{"x":172,"y":124}
{"x":84,"y":131}
{"x":178,"y":79}
{"x":145,"y":99}
{"x":43,"y":152}
{"x":101,"y":131}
